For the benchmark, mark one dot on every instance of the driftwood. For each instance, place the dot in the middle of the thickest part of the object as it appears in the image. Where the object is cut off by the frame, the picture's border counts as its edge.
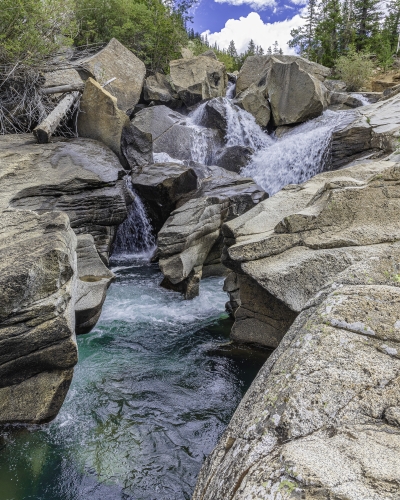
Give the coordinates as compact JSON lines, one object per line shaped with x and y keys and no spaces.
{"x":61,"y":89}
{"x":45,"y":129}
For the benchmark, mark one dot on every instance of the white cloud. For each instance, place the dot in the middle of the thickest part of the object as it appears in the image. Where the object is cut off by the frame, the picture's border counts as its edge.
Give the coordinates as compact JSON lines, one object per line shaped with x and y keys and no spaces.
{"x":299,"y":2}
{"x":254,"y":4}
{"x":242,"y":30}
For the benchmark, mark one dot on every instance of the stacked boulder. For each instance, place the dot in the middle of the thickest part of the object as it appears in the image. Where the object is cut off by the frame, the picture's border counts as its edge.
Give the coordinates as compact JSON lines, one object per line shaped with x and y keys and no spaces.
{"x":283,"y":90}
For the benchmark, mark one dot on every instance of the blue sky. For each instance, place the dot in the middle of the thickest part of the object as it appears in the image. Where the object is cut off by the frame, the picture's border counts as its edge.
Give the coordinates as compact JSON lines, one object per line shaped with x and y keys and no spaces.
{"x":240,"y":20}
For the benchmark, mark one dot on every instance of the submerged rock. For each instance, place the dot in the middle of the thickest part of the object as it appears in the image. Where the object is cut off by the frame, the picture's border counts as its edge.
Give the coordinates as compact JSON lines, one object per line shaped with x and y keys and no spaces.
{"x":320,"y":420}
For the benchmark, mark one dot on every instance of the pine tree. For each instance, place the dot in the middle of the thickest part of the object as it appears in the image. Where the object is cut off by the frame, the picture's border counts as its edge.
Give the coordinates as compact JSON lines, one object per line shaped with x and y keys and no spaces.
{"x":232,"y":49}
{"x":303,"y":38}
{"x":251,"y":49}
{"x":366,"y":18}
{"x":391,"y":26}
{"x":328,"y":32}
{"x":275,"y":47}
{"x":269,"y":50}
{"x":280,"y":52}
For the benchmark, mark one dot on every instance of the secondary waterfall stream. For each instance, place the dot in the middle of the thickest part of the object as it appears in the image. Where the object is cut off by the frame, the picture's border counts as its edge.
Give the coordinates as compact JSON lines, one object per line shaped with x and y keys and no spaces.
{"x":154,"y":389}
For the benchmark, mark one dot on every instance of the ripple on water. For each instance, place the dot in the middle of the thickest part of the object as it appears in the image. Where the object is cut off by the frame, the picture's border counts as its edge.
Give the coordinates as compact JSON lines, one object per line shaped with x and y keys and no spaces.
{"x":149,"y":399}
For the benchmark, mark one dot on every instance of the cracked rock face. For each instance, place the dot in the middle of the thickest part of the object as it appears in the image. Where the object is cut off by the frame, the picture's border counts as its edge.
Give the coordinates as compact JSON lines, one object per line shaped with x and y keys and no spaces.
{"x":321,"y":420}
{"x":37,"y":338}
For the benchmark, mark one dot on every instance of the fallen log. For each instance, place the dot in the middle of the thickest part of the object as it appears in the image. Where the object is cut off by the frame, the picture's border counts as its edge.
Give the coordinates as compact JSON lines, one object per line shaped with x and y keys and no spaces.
{"x":61,"y":89}
{"x":44,"y":130}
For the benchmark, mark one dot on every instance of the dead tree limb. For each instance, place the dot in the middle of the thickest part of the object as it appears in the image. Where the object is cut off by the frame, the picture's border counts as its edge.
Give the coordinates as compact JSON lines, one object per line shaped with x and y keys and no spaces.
{"x":45,"y":129}
{"x":61,"y":89}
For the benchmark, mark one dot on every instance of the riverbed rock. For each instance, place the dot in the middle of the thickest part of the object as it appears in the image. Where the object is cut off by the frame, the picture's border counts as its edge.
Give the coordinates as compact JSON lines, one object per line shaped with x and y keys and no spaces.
{"x":294,"y":255}
{"x":50,"y":195}
{"x":81,"y":177}
{"x":373,"y":132}
{"x":174,"y":134}
{"x":255,"y":69}
{"x":160,"y":186}
{"x":320,"y":420}
{"x":116,"y":61}
{"x":37,"y":283}
{"x":198,"y":78}
{"x":93,"y":280}
{"x":189,"y":235}
{"x":234,"y":158}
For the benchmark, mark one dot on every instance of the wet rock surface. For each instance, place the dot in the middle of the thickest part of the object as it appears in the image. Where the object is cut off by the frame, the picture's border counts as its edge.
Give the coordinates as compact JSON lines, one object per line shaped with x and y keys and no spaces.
{"x":192,"y":233}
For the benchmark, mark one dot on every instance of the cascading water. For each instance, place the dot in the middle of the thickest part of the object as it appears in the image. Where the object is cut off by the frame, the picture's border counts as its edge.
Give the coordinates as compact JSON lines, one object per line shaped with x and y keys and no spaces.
{"x":297,"y":156}
{"x":134,"y":235}
{"x":292,"y":159}
{"x":231,"y":90}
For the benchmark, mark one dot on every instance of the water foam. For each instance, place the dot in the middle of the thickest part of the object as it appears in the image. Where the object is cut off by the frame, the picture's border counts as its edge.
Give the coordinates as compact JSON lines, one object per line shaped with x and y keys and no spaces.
{"x":297,"y":156}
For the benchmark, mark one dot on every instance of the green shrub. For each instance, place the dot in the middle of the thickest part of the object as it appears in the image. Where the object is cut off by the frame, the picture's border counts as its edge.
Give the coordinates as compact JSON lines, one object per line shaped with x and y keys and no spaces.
{"x":354,"y":69}
{"x":31,"y":30}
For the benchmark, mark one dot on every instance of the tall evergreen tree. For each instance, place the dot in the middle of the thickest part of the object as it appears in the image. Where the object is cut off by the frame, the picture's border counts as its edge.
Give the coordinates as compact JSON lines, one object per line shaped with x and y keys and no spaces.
{"x":275,"y":46}
{"x":251,"y":49}
{"x":232,"y":49}
{"x":304,"y":37}
{"x":366,"y":19}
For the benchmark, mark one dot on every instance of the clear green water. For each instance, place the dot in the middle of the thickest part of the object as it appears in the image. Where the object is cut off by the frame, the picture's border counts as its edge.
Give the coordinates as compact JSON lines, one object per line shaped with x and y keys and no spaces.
{"x":151,"y":395}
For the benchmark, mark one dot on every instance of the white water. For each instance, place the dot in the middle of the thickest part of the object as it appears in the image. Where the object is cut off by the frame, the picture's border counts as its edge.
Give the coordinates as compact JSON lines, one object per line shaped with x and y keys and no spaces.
{"x":361,"y":98}
{"x":134,"y":236}
{"x":231,"y":90}
{"x":297,"y":156}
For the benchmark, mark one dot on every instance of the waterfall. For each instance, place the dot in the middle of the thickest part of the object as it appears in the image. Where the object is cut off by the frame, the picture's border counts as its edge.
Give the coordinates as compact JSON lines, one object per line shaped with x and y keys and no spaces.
{"x":362,"y":98}
{"x":231,"y":90}
{"x":297,"y":156}
{"x":134,"y":236}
